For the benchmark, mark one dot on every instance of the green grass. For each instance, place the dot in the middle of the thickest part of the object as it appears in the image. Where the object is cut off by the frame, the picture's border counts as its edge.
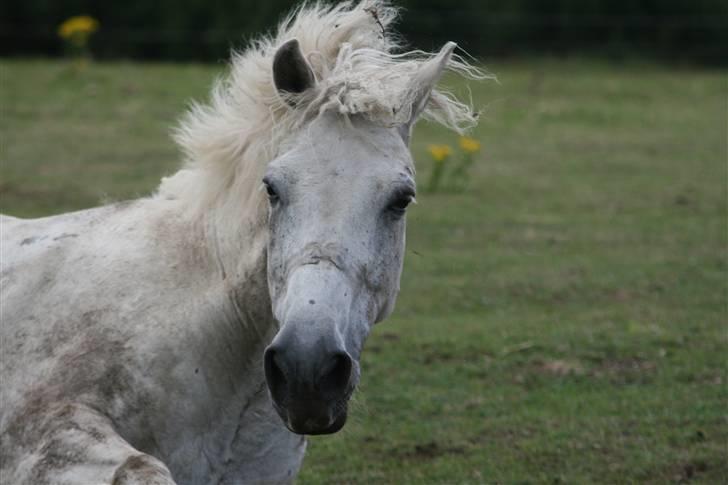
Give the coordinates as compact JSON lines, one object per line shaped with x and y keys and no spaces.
{"x":563,"y":320}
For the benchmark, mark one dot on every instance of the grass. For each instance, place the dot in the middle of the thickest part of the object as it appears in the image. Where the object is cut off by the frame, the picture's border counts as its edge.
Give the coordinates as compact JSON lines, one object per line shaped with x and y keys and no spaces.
{"x":563,"y":320}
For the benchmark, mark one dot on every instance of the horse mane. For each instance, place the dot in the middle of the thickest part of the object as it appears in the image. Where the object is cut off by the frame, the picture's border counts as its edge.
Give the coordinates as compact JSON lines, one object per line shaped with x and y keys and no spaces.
{"x":359,"y":70}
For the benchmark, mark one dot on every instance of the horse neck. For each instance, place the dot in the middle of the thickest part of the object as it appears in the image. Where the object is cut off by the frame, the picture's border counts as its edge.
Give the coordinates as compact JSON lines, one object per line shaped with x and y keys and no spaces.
{"x":228,"y":330}
{"x":238,"y":241}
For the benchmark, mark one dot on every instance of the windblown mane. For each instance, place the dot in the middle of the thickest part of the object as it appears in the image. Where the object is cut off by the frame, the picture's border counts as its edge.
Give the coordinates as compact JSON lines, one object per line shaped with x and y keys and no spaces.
{"x":359,"y":70}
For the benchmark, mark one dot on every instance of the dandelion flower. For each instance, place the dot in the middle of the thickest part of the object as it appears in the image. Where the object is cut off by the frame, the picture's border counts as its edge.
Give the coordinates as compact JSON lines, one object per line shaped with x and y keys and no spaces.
{"x":469,"y":145}
{"x":80,"y":25}
{"x":439,"y":152}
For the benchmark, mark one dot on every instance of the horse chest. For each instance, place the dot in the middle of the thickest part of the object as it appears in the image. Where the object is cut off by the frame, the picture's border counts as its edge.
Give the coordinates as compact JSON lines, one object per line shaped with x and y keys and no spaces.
{"x":247,"y":445}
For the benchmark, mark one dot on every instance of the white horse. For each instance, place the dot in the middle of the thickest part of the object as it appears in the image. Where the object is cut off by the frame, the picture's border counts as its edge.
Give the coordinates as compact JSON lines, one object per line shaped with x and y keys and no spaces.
{"x":196,"y":335}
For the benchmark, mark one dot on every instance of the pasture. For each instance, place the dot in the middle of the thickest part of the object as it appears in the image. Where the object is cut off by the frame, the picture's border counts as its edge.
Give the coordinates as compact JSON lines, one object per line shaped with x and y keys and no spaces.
{"x":562,"y":320}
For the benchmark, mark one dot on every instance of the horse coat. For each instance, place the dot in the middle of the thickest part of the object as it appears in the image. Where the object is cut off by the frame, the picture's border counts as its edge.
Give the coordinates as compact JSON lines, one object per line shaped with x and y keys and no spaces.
{"x":196,"y":335}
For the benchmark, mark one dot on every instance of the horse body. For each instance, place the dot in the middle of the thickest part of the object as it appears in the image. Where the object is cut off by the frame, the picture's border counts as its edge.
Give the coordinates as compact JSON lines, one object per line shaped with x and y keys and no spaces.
{"x":91,"y":346}
{"x":196,"y":335}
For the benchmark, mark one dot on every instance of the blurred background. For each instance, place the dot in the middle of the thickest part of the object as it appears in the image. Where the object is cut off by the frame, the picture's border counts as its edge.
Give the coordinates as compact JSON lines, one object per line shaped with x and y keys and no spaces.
{"x":564,"y":308}
{"x":673,"y":30}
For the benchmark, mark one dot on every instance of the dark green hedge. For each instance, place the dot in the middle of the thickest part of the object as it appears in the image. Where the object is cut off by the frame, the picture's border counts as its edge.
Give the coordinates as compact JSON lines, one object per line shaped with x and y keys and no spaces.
{"x":684,"y":30}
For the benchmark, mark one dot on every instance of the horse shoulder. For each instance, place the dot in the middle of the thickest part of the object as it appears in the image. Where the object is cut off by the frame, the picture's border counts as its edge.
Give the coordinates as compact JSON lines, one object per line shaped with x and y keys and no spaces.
{"x":61,"y":337}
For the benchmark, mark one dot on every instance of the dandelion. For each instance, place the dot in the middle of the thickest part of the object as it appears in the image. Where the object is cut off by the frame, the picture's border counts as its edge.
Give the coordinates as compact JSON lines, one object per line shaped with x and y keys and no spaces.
{"x":469,"y":145}
{"x":439,"y":153}
{"x":456,"y":172}
{"x":81,"y":26}
{"x":76,"y":32}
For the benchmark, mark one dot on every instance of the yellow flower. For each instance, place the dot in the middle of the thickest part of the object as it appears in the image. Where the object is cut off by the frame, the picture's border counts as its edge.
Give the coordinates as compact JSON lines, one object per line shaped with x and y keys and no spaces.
{"x":80,"y":25}
{"x":469,"y":145}
{"x":439,"y":152}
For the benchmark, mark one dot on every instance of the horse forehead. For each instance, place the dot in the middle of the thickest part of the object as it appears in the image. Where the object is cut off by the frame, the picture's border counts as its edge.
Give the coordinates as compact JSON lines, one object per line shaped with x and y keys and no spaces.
{"x":335,"y":144}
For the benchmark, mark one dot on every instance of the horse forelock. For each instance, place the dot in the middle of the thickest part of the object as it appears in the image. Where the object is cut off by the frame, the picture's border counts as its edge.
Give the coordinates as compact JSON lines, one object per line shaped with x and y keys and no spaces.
{"x":360,"y":70}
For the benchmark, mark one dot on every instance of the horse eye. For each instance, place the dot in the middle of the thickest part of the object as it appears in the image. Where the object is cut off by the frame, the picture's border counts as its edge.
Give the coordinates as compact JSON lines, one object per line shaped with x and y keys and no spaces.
{"x":271,"y":191}
{"x":400,"y":203}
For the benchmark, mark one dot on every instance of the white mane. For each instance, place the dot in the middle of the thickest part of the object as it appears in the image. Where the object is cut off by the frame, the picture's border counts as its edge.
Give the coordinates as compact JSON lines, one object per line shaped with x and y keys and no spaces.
{"x":354,"y":55}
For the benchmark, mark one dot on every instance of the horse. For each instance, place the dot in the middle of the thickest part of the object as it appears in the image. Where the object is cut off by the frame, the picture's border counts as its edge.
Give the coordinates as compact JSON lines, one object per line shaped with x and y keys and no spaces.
{"x":198,"y":334}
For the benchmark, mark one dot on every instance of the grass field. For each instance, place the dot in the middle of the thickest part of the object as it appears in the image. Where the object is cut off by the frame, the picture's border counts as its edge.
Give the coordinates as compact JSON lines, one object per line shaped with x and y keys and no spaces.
{"x":563,"y":320}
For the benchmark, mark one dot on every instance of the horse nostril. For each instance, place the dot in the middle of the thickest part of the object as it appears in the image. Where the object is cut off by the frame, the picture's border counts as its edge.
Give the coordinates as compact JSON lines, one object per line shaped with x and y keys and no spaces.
{"x":274,"y":374}
{"x":336,"y":374}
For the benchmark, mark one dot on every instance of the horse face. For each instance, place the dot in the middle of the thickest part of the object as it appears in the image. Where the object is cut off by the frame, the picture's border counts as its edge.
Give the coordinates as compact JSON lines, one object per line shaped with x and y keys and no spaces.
{"x":338,"y":196}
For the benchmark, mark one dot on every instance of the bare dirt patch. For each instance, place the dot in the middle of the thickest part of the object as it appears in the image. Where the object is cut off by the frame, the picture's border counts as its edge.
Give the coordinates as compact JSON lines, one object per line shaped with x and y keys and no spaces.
{"x":429,"y":450}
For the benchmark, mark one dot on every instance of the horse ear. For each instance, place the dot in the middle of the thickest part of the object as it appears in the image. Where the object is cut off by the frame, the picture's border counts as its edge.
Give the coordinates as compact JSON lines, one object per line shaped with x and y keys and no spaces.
{"x":292,"y":74}
{"x":422,"y":85}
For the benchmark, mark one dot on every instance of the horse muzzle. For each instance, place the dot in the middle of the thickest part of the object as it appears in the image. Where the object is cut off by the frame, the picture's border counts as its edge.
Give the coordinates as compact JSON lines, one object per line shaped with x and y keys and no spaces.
{"x":310,"y":384}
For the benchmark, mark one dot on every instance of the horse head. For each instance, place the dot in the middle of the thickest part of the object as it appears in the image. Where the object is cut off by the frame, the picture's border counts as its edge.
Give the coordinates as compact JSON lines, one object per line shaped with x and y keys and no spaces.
{"x":338,"y":195}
